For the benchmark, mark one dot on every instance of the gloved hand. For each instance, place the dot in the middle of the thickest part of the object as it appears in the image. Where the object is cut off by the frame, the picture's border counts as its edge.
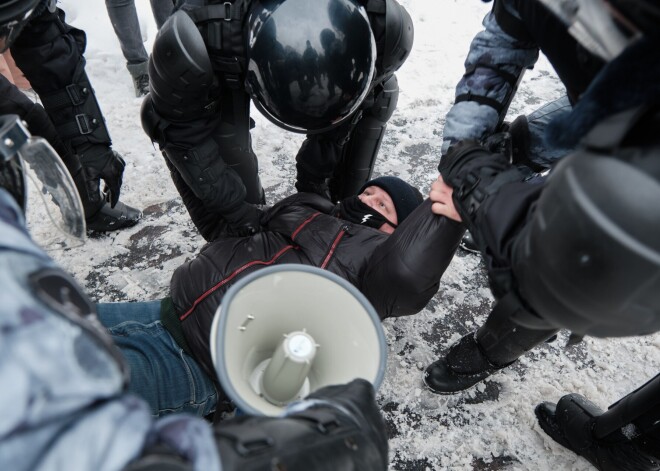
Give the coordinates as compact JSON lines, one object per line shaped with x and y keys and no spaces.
{"x":499,"y":143}
{"x":244,"y":220}
{"x":469,"y":156}
{"x":359,"y":398}
{"x":477,"y":177}
{"x":513,"y":141}
{"x":335,"y":428}
{"x":570,"y":423}
{"x":474,"y":173}
{"x":109,"y":166}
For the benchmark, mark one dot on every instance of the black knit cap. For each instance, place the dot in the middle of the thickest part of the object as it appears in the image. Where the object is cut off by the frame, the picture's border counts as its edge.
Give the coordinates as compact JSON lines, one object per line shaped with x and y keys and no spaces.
{"x":404,"y":196}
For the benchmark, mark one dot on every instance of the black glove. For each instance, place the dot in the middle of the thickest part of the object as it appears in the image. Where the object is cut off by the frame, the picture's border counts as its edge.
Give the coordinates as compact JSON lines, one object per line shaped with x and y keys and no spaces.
{"x":358,"y":397}
{"x":244,"y":220}
{"x":109,"y":166}
{"x":499,"y":143}
{"x":570,"y":423}
{"x":513,"y":141}
{"x":469,"y":156}
{"x":341,"y":429}
{"x":475,"y":174}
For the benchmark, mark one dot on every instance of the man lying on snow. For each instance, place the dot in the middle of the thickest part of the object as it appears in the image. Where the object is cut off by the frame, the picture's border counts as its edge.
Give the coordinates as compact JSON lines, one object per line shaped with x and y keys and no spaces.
{"x":385,"y":241}
{"x":63,"y":400}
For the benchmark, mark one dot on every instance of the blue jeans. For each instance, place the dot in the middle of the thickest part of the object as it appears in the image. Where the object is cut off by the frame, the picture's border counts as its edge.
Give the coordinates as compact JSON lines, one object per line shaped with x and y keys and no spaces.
{"x":124,"y":19}
{"x":163,"y":374}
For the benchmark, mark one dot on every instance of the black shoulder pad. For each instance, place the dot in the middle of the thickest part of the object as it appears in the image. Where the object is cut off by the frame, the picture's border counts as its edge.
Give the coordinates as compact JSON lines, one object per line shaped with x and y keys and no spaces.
{"x":399,"y":34}
{"x":180,"y":69}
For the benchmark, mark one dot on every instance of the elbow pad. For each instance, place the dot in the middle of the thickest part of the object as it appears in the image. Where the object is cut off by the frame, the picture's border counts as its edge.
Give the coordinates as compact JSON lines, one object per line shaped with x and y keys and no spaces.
{"x":394,"y":33}
{"x":399,"y":36}
{"x":180,"y":70}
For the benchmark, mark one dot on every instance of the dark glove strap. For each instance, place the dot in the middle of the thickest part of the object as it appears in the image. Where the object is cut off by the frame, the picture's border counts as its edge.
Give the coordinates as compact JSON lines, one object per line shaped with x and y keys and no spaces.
{"x":475,"y":174}
{"x":324,"y":420}
{"x":246,"y":440}
{"x":476,"y":188}
{"x":318,"y":439}
{"x":159,"y":458}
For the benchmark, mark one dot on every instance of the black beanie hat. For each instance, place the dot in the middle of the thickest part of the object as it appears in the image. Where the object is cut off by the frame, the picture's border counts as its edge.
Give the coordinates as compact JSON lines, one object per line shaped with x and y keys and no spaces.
{"x":404,"y":196}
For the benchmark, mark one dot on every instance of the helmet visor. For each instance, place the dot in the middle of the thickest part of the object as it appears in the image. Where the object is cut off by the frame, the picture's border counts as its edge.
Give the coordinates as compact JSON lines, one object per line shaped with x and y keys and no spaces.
{"x":311,"y":63}
{"x":12,"y":180}
{"x":55,"y":188}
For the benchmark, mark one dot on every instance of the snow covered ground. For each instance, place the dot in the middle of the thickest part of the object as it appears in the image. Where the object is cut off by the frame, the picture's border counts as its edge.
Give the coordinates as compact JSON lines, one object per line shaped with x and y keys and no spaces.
{"x":489,"y":427}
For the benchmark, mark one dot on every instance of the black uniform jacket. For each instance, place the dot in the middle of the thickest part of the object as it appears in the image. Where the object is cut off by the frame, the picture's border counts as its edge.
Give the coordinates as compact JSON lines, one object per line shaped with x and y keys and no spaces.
{"x":398,"y":273}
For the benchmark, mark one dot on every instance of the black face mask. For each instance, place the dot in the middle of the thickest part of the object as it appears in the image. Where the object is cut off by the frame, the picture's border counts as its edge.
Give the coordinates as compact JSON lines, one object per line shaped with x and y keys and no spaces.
{"x":354,"y":210}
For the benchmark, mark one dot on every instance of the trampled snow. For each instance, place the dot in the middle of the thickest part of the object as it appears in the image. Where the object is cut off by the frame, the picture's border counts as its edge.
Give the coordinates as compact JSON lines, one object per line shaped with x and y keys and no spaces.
{"x":491,"y":426}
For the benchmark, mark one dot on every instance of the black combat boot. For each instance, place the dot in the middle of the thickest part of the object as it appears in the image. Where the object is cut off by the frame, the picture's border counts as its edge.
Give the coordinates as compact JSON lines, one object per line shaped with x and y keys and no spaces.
{"x":100,"y":214}
{"x":571,"y":423}
{"x":112,"y":218}
{"x":495,"y":345}
{"x":463,"y":366}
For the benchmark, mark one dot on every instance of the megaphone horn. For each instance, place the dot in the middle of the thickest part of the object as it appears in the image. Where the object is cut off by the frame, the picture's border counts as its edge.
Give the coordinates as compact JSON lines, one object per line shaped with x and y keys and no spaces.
{"x":285,"y":331}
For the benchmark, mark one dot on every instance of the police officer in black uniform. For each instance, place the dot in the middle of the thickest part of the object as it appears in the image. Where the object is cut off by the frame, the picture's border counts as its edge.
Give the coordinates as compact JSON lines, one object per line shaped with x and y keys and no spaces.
{"x":602,"y":90}
{"x":50,"y":54}
{"x":582,"y":250}
{"x":324,"y":68}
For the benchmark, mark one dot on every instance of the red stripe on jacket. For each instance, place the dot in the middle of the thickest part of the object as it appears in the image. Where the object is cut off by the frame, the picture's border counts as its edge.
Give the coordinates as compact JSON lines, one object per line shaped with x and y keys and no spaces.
{"x":232,"y":276}
{"x":246,"y":266}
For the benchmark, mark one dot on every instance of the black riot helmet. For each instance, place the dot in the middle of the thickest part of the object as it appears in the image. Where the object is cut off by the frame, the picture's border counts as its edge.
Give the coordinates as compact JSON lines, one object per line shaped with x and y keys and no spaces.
{"x":311,"y":62}
{"x":590,"y":260}
{"x":13,"y":16}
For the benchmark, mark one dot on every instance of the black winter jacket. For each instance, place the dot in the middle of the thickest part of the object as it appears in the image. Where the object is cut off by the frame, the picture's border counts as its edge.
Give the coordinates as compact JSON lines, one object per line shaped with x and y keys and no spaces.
{"x":398,"y":273}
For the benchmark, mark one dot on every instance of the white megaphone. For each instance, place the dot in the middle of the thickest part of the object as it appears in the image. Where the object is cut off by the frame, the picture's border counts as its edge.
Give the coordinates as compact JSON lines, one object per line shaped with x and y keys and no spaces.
{"x":285,"y":331}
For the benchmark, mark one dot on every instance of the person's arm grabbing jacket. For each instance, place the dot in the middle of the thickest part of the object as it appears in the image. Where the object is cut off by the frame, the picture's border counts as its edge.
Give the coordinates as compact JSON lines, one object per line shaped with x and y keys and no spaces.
{"x":404,"y":272}
{"x":493,"y":64}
